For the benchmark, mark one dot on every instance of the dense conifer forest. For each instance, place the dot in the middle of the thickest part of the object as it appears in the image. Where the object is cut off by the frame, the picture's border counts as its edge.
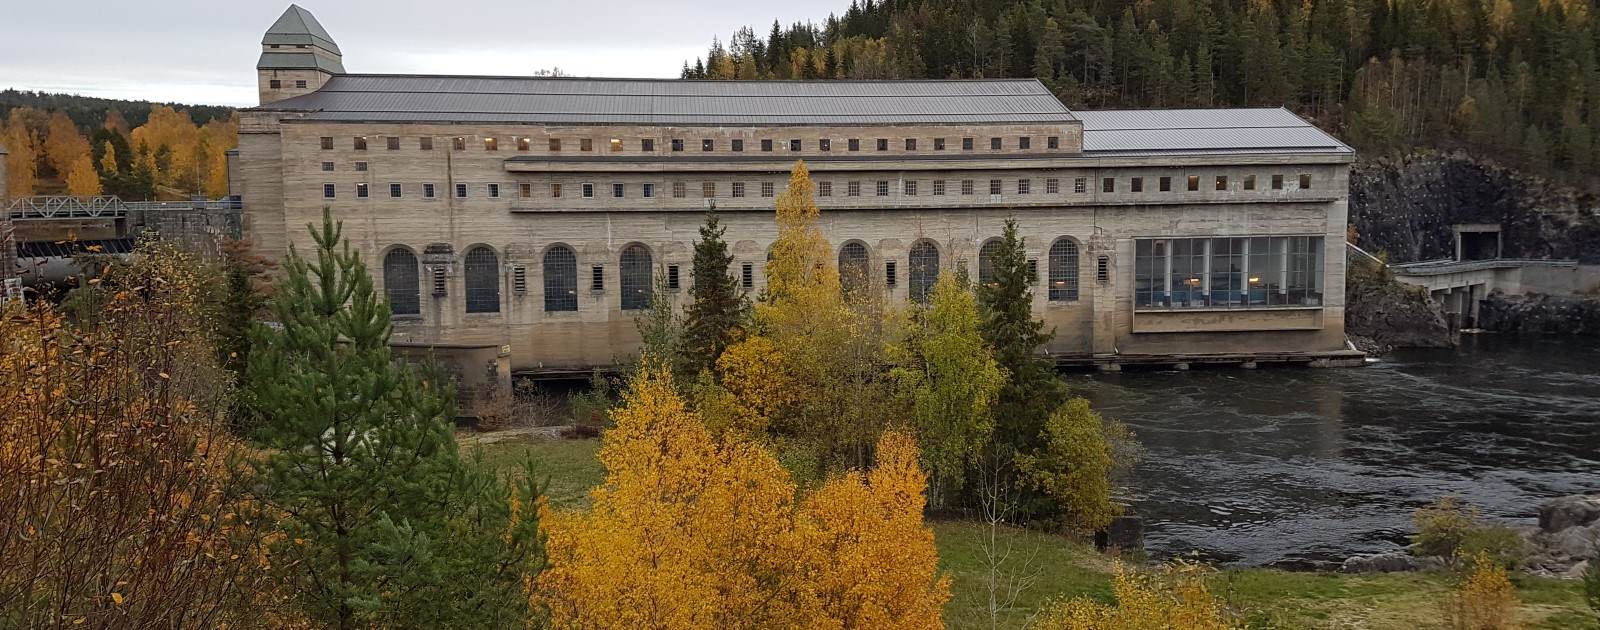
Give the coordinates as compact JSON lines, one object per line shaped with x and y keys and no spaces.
{"x":1517,"y":81}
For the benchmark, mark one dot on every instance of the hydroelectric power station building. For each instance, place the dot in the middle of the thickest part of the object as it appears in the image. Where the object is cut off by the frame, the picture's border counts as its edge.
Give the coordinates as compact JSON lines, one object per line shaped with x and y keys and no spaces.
{"x":519,"y":221}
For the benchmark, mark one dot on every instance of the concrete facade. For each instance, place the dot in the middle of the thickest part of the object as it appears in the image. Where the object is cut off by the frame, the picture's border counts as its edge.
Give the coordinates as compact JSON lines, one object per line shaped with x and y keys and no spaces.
{"x":289,"y":160}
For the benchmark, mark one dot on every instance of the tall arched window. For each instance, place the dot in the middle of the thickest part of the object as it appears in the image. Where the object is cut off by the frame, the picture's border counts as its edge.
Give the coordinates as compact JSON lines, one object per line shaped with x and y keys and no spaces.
{"x":636,"y":278}
{"x":560,"y":279}
{"x":853,"y":267}
{"x":483,"y":280}
{"x":924,"y":270}
{"x":987,"y":255}
{"x":400,"y":281}
{"x":1063,"y":270}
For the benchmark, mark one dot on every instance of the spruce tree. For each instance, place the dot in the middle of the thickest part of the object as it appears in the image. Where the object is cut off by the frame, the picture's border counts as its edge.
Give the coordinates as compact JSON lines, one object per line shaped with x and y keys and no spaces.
{"x":382,"y":523}
{"x":718,"y":308}
{"x":1032,"y":391}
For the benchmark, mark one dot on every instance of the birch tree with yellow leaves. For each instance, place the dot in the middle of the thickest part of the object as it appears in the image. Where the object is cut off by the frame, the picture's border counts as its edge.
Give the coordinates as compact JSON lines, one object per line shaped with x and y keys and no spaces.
{"x":693,"y":531}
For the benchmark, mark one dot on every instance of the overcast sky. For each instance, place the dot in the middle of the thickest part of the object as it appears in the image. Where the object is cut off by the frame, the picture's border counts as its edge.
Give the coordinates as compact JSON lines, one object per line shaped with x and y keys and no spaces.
{"x":193,"y":51}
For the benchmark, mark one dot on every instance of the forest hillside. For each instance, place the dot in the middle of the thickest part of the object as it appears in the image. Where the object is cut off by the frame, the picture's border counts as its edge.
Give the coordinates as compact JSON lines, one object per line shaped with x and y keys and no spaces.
{"x":1517,"y":80}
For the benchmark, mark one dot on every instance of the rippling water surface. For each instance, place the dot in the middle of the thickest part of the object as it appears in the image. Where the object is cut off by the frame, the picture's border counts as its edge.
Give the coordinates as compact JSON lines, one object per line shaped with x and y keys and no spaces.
{"x":1304,"y":467}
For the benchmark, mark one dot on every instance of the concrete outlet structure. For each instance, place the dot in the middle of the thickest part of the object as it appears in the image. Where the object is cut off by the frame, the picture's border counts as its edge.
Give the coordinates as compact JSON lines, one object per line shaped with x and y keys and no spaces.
{"x":530,"y":214}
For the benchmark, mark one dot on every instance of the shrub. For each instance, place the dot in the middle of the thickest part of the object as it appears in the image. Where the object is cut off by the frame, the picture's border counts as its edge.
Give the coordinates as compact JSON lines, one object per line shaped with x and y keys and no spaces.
{"x":122,"y":497}
{"x":1484,"y":599}
{"x":1173,"y":597}
{"x":591,"y":408}
{"x":1451,"y":528}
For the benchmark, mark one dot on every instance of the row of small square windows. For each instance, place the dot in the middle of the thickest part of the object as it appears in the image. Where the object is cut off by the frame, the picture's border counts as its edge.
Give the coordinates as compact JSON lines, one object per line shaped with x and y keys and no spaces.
{"x":459,"y":143}
{"x":909,"y":187}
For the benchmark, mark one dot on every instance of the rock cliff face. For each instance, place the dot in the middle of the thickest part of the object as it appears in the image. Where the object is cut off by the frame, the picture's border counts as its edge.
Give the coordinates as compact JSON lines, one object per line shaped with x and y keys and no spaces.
{"x":1549,"y":314}
{"x":1382,"y":314}
{"x":1406,"y":207}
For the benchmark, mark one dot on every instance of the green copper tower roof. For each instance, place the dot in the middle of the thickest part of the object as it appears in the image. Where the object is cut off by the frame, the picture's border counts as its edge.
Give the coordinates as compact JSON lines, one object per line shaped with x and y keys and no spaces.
{"x":297,"y":26}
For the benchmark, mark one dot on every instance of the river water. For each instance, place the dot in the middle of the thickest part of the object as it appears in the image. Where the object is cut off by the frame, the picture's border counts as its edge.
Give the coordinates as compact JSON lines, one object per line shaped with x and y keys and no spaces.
{"x":1300,"y":467}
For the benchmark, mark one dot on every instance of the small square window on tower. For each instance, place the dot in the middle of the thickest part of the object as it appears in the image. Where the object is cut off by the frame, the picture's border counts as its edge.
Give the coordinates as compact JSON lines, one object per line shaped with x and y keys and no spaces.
{"x":300,"y":84}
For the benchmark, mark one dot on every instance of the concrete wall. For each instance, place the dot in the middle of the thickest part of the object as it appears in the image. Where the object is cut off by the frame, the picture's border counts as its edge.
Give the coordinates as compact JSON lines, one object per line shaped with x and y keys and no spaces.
{"x":282,"y":177}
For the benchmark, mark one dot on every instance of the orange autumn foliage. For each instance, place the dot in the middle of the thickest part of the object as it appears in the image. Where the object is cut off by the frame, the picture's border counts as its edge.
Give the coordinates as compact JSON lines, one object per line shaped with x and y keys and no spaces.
{"x":690,"y":531}
{"x":119,"y":485}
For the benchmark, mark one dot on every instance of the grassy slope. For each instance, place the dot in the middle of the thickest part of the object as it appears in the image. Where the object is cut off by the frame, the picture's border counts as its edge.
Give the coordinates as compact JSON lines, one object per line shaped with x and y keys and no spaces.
{"x":1066,"y":568}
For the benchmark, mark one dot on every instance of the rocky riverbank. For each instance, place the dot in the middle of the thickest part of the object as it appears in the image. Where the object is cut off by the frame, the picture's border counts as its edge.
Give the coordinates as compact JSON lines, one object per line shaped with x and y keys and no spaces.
{"x":1543,"y":314}
{"x":1562,"y":545}
{"x":1381,"y":313}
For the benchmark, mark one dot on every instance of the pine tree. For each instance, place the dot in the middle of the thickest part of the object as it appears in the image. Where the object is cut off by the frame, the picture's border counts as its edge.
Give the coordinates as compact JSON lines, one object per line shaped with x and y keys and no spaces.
{"x":382,"y":523}
{"x":718,"y":308}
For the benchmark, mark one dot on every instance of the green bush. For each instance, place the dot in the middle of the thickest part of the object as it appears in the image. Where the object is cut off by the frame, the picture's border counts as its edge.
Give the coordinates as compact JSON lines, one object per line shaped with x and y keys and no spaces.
{"x":591,"y":408}
{"x":1451,"y":528}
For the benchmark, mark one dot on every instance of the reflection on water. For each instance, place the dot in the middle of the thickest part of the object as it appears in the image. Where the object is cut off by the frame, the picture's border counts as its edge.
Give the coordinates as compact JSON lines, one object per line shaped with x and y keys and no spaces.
{"x":1304,"y":467}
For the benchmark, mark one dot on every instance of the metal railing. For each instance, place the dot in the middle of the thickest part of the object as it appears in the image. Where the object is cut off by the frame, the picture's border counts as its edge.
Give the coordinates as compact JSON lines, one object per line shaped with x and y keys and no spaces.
{"x":48,"y":208}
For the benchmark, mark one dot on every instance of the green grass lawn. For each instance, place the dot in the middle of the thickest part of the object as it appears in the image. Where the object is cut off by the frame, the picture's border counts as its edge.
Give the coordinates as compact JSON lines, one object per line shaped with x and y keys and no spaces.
{"x":1055,"y":566}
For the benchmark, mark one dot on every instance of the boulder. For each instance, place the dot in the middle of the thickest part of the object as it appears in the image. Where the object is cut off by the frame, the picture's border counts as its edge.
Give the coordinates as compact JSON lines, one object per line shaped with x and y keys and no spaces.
{"x":1562,"y":512}
{"x":1392,"y":562}
{"x":1577,"y":543}
{"x":1577,"y":571}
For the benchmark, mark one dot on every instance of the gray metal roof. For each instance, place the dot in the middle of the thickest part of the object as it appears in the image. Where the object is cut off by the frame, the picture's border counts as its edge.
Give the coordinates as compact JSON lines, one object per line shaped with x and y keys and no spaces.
{"x":1203,"y":132}
{"x":298,"y":60}
{"x":298,"y":26}
{"x":410,"y":98}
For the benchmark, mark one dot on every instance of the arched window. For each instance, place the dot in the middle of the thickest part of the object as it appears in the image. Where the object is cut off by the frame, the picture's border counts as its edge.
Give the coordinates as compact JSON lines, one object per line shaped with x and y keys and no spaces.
{"x":483,"y":280}
{"x":987,"y":256}
{"x":560,"y":279}
{"x":924,"y":270}
{"x":1063,"y":270}
{"x":635,"y":277}
{"x":400,"y":281}
{"x":852,"y":267}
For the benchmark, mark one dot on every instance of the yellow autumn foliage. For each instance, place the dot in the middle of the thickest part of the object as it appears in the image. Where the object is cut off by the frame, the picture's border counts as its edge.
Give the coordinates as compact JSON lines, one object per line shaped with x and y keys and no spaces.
{"x":1171,"y":597}
{"x":813,"y":365}
{"x":690,"y":531}
{"x":1485,"y":598}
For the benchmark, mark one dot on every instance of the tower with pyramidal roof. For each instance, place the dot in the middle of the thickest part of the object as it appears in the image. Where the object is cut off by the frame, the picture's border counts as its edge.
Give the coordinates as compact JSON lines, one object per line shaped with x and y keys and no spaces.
{"x":297,"y":56}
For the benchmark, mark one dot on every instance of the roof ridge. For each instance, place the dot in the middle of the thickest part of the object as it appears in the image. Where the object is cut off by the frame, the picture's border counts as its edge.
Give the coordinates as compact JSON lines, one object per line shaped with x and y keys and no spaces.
{"x":408,"y":75}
